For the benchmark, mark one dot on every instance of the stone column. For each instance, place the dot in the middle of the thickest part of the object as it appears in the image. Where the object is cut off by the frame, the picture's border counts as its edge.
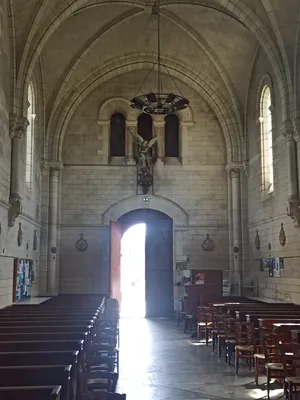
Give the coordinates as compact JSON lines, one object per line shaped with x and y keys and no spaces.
{"x":159,"y":131}
{"x":131,"y":130}
{"x":293,"y":202}
{"x":17,"y":132}
{"x":53,"y":228}
{"x":236,"y":231}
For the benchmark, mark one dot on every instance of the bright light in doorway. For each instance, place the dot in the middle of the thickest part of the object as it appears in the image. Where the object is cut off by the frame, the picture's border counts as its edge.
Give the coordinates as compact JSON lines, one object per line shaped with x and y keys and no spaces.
{"x":133,"y":272}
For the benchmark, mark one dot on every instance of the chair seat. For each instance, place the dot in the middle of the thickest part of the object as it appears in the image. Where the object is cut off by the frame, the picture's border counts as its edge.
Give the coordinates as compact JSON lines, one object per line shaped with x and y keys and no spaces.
{"x":277,"y":366}
{"x":244,"y":348}
{"x":293,"y":379}
{"x":201,"y":324}
{"x":260,"y":356}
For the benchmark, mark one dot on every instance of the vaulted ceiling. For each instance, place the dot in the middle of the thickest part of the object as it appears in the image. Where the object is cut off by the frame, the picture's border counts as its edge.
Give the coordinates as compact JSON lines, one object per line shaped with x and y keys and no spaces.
{"x":73,"y":40}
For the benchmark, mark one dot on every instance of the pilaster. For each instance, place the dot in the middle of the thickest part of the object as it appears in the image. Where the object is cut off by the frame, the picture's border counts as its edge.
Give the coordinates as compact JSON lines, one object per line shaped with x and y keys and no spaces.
{"x":293,"y":201}
{"x":234,"y":175}
{"x":55,"y":172}
{"x":131,"y":131}
{"x":18,"y":126}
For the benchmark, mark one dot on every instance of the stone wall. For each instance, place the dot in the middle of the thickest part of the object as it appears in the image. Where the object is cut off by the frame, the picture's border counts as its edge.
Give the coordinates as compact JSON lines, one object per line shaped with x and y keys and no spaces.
{"x":266,"y":216}
{"x":30,"y":220}
{"x":89,"y":188}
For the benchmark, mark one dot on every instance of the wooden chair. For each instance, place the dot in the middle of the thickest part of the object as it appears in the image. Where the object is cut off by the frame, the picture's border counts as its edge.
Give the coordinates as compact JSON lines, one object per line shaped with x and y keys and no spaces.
{"x":230,"y":340}
{"x":95,"y":380}
{"x":103,"y":396}
{"x":244,"y":348}
{"x":262,"y":338}
{"x":203,"y":324}
{"x":291,"y":364}
{"x":276,"y":363}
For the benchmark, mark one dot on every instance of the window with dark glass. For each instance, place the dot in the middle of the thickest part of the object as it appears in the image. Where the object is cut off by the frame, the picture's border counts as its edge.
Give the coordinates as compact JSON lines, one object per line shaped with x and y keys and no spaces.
{"x":145,"y":126}
{"x":171,"y":136}
{"x":117,"y":135}
{"x":145,"y":129}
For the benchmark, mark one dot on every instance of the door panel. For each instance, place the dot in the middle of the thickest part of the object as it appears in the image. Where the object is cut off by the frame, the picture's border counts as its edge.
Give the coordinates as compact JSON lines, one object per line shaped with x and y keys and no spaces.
{"x":115,"y":260}
{"x":159,"y":268}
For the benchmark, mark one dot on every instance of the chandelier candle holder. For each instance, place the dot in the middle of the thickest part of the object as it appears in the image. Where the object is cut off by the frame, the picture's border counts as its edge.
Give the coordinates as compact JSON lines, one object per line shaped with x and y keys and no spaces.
{"x":158,"y":102}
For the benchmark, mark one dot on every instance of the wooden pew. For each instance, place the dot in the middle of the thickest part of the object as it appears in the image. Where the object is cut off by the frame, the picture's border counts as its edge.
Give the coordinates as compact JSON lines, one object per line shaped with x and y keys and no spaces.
{"x":43,"y":336}
{"x":283,"y":331}
{"x":245,"y":315}
{"x":31,"y":393}
{"x":46,"y":329}
{"x":41,"y":375}
{"x":45,"y":358}
{"x":41,"y":345}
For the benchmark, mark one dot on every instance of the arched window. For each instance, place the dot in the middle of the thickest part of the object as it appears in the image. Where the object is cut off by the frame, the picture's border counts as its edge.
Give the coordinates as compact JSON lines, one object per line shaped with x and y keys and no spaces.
{"x":117,"y":135}
{"x":145,"y":126}
{"x":145,"y":129}
{"x":266,"y":124}
{"x":30,"y":135}
{"x":171,"y":136}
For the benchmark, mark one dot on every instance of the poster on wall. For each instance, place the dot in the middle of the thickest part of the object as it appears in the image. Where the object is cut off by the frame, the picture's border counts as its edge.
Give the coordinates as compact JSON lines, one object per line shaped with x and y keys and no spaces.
{"x":199,"y":278}
{"x":22,"y":279}
{"x":277,"y":269}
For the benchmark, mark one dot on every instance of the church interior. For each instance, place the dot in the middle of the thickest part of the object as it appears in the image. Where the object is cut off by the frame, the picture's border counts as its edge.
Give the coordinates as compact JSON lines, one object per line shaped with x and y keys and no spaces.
{"x":149,"y":199}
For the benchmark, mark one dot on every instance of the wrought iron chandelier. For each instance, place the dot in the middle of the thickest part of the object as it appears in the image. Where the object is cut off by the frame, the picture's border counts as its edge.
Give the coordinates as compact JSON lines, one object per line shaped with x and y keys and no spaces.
{"x":159,"y":103}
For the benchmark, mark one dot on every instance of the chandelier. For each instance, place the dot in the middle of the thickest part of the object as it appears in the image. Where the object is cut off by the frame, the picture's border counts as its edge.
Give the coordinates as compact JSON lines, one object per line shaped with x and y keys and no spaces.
{"x":159,"y":103}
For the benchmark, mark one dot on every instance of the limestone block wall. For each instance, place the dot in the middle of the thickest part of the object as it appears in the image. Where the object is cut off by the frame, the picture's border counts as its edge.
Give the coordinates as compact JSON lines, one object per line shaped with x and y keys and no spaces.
{"x":30,"y":220}
{"x":90,"y":188}
{"x":266,"y":216}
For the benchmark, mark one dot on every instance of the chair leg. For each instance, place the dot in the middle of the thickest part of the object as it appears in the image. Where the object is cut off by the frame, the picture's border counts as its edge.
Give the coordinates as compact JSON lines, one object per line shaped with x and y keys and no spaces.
{"x":198,"y":333}
{"x":219,"y":348}
{"x":268,"y":384}
{"x":213,"y":342}
{"x":256,"y":366}
{"x":206,"y":336}
{"x":236,"y":362}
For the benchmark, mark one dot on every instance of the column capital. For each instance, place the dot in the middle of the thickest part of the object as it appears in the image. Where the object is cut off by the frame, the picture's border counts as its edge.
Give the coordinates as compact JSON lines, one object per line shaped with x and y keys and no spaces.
{"x":297,"y":128}
{"x":234,"y":166}
{"x":54,"y":168}
{"x":18,"y":126}
{"x":131,"y":123}
{"x":288,"y":130}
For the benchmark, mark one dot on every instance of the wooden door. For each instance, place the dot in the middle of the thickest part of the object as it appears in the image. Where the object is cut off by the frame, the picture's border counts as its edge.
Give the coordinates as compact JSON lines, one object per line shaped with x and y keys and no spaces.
{"x":159,"y":268}
{"x":115,"y":260}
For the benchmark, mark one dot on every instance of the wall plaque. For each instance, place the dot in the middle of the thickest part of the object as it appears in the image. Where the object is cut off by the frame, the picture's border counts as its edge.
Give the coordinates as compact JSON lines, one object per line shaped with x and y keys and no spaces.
{"x":208,"y":244}
{"x":81,"y":244}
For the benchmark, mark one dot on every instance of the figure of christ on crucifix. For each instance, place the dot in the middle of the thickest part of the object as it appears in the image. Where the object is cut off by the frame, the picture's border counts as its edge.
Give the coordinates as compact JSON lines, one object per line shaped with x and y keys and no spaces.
{"x":144,"y":151}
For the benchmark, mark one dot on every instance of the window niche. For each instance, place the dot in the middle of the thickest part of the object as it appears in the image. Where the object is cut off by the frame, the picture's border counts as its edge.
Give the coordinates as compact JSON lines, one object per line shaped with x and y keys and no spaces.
{"x":171,"y":136}
{"x":265,"y":123}
{"x":117,"y":136}
{"x":30,"y":135}
{"x":145,"y":130}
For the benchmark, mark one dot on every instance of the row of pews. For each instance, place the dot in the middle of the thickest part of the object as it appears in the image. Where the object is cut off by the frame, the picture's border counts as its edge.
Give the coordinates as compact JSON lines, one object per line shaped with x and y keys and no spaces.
{"x":65,"y":348}
{"x":263,"y":335}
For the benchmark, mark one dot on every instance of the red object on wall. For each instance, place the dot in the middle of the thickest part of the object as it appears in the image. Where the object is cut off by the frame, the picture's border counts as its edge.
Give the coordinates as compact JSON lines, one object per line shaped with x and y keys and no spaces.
{"x":115,"y":260}
{"x":210,"y":290}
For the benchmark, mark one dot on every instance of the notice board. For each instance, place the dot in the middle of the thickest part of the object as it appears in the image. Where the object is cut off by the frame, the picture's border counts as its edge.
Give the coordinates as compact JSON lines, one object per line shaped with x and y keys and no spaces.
{"x":23,"y":277}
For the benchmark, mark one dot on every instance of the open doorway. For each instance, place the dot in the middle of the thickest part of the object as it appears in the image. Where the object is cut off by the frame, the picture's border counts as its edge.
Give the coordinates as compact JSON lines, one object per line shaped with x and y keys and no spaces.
{"x":146,"y":239}
{"x":133,"y":272}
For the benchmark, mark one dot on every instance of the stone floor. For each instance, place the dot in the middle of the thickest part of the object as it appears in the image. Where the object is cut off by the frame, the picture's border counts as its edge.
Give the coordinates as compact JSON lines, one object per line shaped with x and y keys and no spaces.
{"x":158,"y":361}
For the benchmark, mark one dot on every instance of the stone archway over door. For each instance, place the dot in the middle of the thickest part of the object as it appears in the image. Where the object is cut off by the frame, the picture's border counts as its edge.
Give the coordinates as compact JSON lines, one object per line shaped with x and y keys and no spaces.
{"x":159,"y":259}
